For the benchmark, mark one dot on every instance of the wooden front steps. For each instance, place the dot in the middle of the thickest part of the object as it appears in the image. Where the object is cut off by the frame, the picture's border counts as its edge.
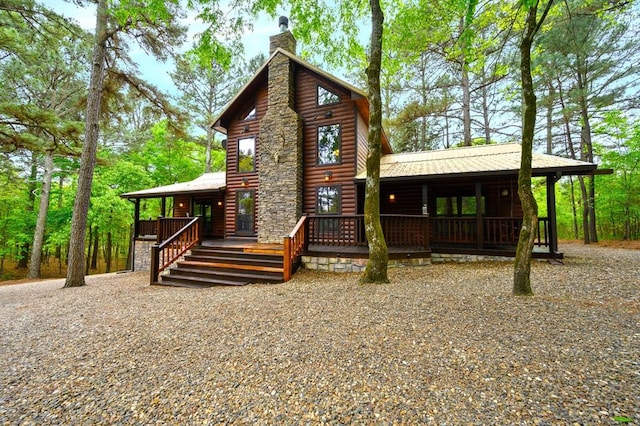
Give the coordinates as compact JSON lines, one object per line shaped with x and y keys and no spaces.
{"x":208,"y":266}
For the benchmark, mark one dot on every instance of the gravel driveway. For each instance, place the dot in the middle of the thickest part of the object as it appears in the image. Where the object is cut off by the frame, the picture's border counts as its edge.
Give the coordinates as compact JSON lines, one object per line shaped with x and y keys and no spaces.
{"x":443,"y":344}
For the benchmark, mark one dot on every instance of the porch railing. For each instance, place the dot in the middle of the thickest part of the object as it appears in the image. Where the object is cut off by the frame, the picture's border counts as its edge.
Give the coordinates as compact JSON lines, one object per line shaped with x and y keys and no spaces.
{"x":542,"y":239}
{"x":496,"y":231}
{"x":348,"y":230}
{"x":169,"y":226}
{"x":147,"y":227}
{"x":170,"y":249}
{"x":421,"y":231}
{"x":294,"y":244}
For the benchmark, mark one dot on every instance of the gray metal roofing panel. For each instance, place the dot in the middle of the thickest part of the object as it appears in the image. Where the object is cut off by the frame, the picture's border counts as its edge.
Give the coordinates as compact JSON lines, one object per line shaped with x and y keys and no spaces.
{"x":206,"y":182}
{"x":497,"y":158}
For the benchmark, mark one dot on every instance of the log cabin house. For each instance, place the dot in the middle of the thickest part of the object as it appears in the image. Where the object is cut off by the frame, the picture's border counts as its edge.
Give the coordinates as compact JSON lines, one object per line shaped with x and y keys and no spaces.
{"x":293,"y":190}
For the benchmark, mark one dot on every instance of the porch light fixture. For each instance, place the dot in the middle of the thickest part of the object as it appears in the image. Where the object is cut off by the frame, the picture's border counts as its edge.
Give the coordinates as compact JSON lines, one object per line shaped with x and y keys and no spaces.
{"x":328,"y":114}
{"x":504,"y":192}
{"x":328,"y":175}
{"x":245,"y":129}
{"x":392,"y":198}
{"x":245,"y":181}
{"x":220,"y":203}
{"x":181,"y":205}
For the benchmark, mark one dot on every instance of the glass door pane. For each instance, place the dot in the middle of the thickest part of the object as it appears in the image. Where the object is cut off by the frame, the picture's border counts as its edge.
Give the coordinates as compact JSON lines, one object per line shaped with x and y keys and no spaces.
{"x":245,"y":202}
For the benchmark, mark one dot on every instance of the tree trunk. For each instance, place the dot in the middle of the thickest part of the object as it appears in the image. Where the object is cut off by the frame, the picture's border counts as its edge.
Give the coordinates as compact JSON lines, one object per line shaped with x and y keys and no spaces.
{"x":593,"y":232}
{"x":88,"y":256}
{"x":75,"y":270}
{"x":550,"y":118}
{"x":96,"y":248}
{"x":485,"y":111}
{"x":208,"y":150}
{"x":522,"y":266}
{"x":23,"y":248}
{"x":108,"y":249}
{"x":573,"y":154}
{"x":466,"y":96}
{"x":38,"y":236}
{"x":585,"y":210}
{"x":574,"y":213}
{"x":376,"y":270}
{"x":587,"y":151}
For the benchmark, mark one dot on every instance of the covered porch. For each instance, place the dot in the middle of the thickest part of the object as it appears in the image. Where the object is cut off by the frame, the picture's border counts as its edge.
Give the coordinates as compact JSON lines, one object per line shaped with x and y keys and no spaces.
{"x":203,"y":197}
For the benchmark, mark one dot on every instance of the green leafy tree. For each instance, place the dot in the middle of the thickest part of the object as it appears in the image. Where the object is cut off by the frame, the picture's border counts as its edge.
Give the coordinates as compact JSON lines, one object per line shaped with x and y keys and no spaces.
{"x":376,"y":269}
{"x":591,"y":63}
{"x":154,"y":26}
{"x":44,"y":89}
{"x":526,"y":239}
{"x":621,"y":199}
{"x":204,"y":90}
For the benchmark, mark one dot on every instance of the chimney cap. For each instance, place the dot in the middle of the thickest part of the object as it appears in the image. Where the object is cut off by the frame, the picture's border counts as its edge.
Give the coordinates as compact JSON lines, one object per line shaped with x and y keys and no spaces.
{"x":283,"y":23}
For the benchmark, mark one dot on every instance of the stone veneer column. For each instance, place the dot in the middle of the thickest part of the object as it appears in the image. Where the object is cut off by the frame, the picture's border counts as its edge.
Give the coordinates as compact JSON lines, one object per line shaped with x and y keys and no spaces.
{"x":280,"y":155}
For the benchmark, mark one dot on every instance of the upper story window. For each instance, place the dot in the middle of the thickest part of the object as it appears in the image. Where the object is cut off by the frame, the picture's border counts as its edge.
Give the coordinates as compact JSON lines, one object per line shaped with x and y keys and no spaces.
{"x":329,"y":144}
{"x":327,"y":97}
{"x":246,"y":155}
{"x":250,"y":115}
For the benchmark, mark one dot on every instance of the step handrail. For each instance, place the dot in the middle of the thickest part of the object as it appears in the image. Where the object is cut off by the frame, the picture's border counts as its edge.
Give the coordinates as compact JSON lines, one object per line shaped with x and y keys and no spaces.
{"x":167,"y":252}
{"x":294,"y":243}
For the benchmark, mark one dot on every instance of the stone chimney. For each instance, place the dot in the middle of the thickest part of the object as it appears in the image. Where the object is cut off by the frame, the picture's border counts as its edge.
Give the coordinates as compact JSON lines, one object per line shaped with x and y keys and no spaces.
{"x":284,"y":39}
{"x":280,"y":162}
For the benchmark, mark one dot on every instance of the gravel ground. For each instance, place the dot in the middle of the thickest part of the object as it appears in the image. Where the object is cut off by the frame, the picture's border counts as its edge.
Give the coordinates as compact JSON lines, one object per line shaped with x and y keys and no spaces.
{"x":443,"y":344}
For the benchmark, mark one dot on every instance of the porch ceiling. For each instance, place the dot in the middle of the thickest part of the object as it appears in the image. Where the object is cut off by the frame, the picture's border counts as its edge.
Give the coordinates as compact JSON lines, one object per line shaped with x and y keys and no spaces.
{"x":497,"y":159}
{"x":208,"y":182}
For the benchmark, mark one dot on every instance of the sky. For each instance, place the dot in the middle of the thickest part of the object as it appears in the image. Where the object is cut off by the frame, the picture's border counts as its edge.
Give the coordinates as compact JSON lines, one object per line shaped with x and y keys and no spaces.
{"x":256,"y":41}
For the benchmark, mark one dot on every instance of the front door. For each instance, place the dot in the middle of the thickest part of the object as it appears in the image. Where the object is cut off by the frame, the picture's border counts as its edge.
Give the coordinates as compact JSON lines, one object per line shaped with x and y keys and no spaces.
{"x":245,"y":207}
{"x":204,"y":208}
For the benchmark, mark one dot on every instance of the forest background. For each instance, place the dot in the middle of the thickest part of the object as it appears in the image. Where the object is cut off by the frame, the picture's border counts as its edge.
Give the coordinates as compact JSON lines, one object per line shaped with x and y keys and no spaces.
{"x":449,"y":78}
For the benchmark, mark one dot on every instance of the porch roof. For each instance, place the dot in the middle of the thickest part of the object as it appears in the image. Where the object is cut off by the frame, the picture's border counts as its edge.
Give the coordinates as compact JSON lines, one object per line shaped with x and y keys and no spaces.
{"x":499,"y":159}
{"x":208,"y":182}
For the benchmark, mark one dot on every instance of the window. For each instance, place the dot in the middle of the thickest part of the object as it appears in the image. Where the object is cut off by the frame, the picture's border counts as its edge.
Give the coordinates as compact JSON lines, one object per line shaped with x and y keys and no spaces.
{"x":458,"y":206}
{"x":327,"y":97}
{"x":328,"y":200}
{"x":246,"y":155}
{"x":329,"y":144}
{"x":251,"y":115}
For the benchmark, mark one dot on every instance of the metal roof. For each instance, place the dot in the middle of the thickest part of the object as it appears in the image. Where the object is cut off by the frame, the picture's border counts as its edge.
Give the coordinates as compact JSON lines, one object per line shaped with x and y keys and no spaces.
{"x":473,"y":161}
{"x":206,"y":183}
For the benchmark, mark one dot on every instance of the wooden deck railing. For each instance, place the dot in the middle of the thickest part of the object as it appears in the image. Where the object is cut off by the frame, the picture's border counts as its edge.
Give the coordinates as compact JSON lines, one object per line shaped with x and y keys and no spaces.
{"x":421,"y":231}
{"x":542,"y":239}
{"x":348,"y":230}
{"x":169,"y":226}
{"x":294,"y":243}
{"x":169,"y":250}
{"x":496,"y":231}
{"x":147,"y":227}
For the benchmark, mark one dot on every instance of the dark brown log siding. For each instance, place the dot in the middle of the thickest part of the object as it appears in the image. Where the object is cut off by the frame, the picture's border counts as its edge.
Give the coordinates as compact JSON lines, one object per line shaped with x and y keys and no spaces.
{"x":186,"y":205}
{"x":408,"y":196}
{"x":408,"y":199}
{"x":235,"y":132}
{"x":343,"y":113}
{"x":363,"y":143}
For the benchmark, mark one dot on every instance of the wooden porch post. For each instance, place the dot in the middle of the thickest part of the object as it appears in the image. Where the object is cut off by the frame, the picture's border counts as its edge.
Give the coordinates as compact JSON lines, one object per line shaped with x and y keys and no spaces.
{"x":425,"y":214}
{"x":551,"y":212}
{"x":155,"y":264}
{"x":163,"y":207}
{"x":479,"y":227}
{"x":136,"y":218}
